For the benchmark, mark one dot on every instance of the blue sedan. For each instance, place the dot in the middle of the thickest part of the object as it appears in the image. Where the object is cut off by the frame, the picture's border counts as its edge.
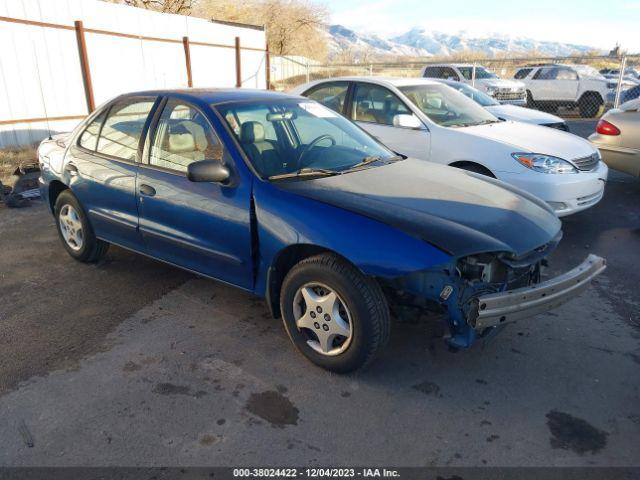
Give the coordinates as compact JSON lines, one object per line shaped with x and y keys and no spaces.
{"x":284,"y":198}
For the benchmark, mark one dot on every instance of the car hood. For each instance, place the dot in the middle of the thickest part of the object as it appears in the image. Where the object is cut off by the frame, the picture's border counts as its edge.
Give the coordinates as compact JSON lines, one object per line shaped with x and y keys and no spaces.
{"x":524,"y":137}
{"x":500,"y":83}
{"x":460,"y":212}
{"x":521,"y":114}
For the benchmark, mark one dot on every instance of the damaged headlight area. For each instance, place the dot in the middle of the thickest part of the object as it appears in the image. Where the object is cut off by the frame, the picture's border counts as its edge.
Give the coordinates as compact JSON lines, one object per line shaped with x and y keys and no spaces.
{"x":479,"y":293}
{"x":454,"y":290}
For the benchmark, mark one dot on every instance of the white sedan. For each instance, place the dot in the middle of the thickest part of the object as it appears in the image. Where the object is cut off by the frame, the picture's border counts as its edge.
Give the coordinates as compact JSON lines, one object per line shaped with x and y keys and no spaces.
{"x":506,"y":111}
{"x":428,"y":120}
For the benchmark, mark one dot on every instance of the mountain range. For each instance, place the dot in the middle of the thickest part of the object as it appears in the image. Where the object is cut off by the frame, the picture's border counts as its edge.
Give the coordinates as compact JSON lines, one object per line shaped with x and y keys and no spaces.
{"x":419,"y":42}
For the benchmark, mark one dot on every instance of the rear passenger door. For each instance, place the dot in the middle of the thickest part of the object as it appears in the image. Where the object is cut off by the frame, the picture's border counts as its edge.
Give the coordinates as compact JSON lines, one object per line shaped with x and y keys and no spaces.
{"x":374,"y":107}
{"x":102,"y":167}
{"x":204,"y":227}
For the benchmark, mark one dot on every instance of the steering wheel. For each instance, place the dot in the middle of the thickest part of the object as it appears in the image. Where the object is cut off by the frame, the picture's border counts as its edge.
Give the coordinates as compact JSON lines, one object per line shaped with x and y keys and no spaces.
{"x":308,"y":148}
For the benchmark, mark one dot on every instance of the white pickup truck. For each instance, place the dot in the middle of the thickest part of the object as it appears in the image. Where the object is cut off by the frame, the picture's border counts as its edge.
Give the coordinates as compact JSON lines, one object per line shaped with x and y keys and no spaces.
{"x":504,"y":91}
{"x":550,"y":86}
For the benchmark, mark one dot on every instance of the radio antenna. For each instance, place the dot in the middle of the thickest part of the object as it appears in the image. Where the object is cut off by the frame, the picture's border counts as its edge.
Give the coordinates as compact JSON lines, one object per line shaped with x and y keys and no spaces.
{"x":44,"y":104}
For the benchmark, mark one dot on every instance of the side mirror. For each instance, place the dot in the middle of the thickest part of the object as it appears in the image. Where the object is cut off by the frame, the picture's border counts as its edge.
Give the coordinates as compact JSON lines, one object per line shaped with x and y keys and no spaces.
{"x":407,"y":121}
{"x":455,"y":79}
{"x":208,"y":171}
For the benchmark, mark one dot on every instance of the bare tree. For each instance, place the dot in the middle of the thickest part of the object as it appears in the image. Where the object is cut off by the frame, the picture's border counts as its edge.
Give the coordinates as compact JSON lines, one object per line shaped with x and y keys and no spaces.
{"x":182,"y":7}
{"x":294,"y":27}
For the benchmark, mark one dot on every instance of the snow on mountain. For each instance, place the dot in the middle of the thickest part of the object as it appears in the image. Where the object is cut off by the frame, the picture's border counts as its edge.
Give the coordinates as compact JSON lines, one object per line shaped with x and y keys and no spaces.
{"x":419,"y":42}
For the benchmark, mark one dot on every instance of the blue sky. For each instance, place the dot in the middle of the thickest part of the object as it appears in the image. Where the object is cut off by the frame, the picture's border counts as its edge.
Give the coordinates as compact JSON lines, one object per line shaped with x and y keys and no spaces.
{"x":596,"y":23}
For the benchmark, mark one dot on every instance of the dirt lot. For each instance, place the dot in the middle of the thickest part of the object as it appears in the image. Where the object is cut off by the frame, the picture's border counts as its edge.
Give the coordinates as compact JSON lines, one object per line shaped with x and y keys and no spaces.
{"x":131,"y":362}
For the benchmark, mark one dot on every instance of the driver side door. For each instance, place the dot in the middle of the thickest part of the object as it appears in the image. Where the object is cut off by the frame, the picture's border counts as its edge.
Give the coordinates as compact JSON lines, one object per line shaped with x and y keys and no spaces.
{"x":373,"y":107}
{"x":204,"y":227}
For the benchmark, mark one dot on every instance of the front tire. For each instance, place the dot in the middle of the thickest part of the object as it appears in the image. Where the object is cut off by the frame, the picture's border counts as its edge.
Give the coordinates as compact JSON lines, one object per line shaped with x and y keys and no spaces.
{"x":337,"y":317}
{"x":75,"y":230}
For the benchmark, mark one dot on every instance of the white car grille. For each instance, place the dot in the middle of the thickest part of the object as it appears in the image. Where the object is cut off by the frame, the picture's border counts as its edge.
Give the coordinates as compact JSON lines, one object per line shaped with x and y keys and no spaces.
{"x":586,"y":164}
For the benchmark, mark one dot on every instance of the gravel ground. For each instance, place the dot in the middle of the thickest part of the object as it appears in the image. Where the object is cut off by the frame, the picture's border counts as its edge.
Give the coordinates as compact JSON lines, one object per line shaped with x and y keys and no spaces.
{"x":131,"y":362}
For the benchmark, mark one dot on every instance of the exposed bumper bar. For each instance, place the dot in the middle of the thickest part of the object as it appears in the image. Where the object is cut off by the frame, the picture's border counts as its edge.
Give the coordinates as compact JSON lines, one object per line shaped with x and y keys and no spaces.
{"x":498,"y":308}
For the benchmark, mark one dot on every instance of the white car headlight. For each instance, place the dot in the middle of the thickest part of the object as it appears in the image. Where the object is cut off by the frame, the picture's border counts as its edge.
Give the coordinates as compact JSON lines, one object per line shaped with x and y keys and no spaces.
{"x":544,"y":163}
{"x":491,"y":90}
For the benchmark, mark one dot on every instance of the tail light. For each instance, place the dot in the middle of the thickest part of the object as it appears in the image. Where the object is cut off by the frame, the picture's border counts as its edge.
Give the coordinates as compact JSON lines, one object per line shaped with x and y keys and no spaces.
{"x":607,"y":128}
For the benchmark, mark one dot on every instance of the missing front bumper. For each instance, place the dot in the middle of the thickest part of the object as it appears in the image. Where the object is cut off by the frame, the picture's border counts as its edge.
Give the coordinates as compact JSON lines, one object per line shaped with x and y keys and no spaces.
{"x":498,"y":308}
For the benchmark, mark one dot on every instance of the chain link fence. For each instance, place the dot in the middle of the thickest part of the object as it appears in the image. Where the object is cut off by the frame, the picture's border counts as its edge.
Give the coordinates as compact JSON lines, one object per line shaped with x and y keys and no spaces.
{"x":570,"y":87}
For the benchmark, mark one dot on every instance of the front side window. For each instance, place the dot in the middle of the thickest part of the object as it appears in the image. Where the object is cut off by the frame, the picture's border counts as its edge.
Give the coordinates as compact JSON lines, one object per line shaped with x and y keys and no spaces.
{"x":308,"y":136}
{"x":183,"y":136}
{"x":481,"y":73}
{"x":446,"y":106}
{"x":120,"y":136}
{"x":522,"y":73}
{"x":332,"y":95}
{"x":547,"y":73}
{"x":376,"y":104}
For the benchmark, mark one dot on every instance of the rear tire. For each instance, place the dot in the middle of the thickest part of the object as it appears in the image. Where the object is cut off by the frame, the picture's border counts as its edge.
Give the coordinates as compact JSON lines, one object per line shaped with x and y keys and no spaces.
{"x":75,"y":230}
{"x":589,"y":105}
{"x":355,"y":326}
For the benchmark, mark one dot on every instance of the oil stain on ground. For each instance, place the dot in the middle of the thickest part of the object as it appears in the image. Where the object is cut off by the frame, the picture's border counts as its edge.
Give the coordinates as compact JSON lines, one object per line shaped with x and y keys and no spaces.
{"x":273,"y":407}
{"x":171,"y":389}
{"x":428,"y":388}
{"x":572,"y":433}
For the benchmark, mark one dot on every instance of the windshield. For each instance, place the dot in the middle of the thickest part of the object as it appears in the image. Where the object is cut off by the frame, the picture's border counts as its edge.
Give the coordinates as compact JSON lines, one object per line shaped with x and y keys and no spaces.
{"x":481,"y":73}
{"x":297,"y":138}
{"x":476,"y":95}
{"x":446,"y":106}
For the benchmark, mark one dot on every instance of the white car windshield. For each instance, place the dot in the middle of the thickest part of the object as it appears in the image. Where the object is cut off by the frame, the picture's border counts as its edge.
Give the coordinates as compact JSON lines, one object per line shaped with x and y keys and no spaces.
{"x":481,"y":73}
{"x":446,"y":106}
{"x":477,"y":96}
{"x":300,"y":139}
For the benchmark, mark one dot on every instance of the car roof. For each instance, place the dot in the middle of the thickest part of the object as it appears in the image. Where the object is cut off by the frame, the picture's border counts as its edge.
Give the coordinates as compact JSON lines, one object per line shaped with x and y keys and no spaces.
{"x":216,"y":95}
{"x":451,"y":65}
{"x":386,"y":81}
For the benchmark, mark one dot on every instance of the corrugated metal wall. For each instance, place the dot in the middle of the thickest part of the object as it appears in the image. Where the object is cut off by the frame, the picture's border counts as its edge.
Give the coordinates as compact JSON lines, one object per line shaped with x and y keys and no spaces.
{"x":40,"y":71}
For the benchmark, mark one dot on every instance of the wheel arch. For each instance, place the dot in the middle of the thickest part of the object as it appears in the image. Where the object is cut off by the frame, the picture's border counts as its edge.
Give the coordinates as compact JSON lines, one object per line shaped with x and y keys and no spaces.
{"x":283,"y":262}
{"x":469,"y":163}
{"x":56,"y":187}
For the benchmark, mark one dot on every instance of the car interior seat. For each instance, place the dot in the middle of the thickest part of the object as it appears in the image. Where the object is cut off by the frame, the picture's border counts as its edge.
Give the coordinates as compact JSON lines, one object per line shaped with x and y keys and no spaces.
{"x":262,"y":152}
{"x":185,"y":143}
{"x":364,"y":112}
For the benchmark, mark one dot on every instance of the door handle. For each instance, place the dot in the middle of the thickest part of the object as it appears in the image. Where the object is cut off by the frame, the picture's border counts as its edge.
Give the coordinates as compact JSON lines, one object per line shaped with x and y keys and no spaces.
{"x":71,"y":169}
{"x":147,"y":190}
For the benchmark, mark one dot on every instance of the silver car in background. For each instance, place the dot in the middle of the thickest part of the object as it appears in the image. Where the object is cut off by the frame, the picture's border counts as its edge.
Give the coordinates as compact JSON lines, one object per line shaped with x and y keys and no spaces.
{"x":617,"y":136}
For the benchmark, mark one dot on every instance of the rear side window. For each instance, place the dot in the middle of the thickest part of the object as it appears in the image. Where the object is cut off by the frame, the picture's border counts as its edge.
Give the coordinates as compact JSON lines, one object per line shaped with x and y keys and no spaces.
{"x":332,"y":95}
{"x":123,"y":127}
{"x":89,"y":138}
{"x":522,"y":73}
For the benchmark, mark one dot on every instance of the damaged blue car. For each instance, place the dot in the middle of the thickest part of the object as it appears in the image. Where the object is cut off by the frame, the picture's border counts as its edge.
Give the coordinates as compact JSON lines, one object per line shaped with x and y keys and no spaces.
{"x":286,"y":199}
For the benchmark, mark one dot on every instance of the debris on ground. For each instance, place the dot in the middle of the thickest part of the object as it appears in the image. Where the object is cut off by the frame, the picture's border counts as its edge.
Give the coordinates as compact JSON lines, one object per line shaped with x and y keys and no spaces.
{"x":23,"y":186}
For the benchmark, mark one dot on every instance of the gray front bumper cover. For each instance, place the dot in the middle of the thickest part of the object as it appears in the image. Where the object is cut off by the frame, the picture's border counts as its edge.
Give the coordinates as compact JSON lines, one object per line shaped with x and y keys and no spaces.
{"x":498,"y":308}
